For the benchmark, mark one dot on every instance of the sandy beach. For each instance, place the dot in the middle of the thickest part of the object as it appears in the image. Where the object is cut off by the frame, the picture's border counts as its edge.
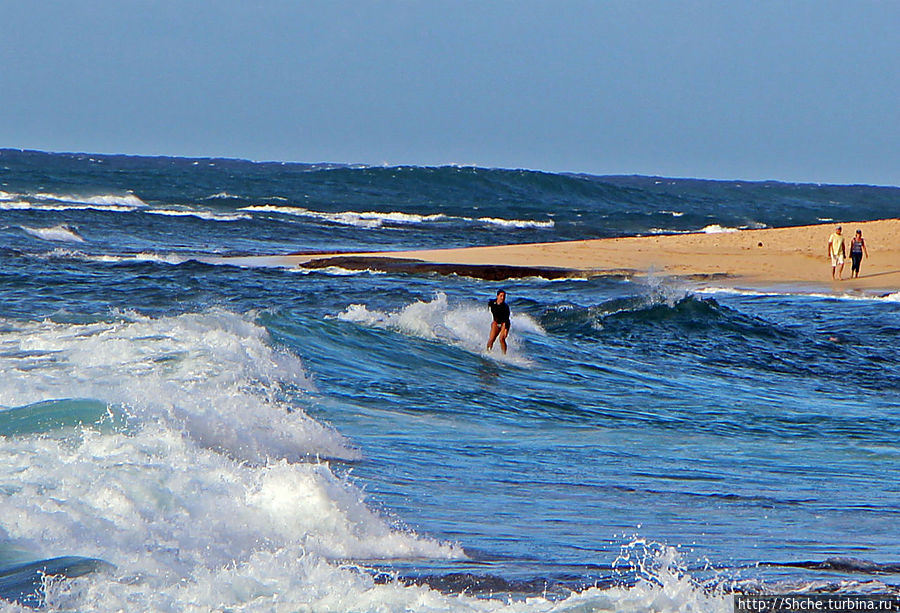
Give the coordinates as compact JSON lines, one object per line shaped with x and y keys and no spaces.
{"x":753,"y":258}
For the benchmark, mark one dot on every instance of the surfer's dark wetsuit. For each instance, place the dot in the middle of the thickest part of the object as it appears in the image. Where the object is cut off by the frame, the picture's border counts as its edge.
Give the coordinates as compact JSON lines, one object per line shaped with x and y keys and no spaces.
{"x":500,"y":325}
{"x":500,"y":312}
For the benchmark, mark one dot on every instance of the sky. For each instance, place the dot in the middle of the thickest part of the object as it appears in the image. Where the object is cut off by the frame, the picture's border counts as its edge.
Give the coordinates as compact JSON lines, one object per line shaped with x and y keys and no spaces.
{"x":804,"y":91}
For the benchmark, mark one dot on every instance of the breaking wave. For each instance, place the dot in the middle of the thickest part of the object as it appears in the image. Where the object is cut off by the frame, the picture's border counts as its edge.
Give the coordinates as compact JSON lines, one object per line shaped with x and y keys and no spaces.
{"x":59,"y":233}
{"x":374,"y":219}
{"x":462,"y":325}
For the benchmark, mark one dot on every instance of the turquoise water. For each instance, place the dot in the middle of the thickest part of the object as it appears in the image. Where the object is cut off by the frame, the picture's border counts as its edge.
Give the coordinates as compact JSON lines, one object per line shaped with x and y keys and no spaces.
{"x":187,"y":435}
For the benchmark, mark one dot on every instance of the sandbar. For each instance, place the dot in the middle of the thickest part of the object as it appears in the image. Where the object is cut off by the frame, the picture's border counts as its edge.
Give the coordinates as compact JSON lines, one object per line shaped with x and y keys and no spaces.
{"x":767,"y":257}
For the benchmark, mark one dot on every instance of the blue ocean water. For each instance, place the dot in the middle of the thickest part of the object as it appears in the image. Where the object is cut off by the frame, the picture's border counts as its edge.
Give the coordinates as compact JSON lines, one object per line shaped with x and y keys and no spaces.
{"x":184,"y":436}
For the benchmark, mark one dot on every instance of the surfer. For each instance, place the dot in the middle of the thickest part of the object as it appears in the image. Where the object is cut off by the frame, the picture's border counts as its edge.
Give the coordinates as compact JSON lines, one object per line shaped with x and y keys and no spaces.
{"x":837,"y":250}
{"x":500,"y":325}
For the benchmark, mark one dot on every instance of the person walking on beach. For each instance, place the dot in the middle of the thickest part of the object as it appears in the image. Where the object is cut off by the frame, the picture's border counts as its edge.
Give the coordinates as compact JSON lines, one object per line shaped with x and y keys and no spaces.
{"x":857,"y":249}
{"x":500,"y":325}
{"x":837,"y":250}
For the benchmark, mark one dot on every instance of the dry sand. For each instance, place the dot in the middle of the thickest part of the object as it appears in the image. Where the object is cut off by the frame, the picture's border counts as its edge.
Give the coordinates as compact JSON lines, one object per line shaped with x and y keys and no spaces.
{"x":752,"y":258}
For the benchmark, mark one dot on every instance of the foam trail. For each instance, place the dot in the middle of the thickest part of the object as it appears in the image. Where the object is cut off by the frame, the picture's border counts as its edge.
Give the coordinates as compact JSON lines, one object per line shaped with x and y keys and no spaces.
{"x":59,"y":233}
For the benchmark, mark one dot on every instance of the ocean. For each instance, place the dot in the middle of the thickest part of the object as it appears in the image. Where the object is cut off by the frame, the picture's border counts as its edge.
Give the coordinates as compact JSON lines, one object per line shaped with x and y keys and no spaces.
{"x":184,"y":435}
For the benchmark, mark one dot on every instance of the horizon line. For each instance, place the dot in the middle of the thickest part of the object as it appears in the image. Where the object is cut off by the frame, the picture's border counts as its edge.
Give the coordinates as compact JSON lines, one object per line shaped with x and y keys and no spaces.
{"x":363,"y":165}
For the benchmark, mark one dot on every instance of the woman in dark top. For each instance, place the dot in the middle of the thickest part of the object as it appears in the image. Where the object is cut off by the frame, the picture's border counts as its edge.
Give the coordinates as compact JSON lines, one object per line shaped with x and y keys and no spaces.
{"x":857,"y":249}
{"x":500,"y":325}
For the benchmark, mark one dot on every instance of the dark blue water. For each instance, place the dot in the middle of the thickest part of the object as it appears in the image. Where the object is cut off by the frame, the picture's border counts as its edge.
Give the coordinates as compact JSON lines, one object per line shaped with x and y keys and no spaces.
{"x":269,"y":439}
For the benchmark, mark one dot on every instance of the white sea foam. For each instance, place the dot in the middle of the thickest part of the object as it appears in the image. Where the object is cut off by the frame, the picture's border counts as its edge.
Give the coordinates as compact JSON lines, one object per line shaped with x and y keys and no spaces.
{"x":37,"y":206}
{"x":199,"y":213}
{"x":59,"y":233}
{"x":190,"y":369}
{"x":16,"y":205}
{"x":44,"y":201}
{"x":668,"y":231}
{"x":335,"y":271}
{"x":516,"y":223}
{"x":463,"y":325}
{"x":162,"y":258}
{"x":102,"y":200}
{"x":373,"y":219}
{"x":717,"y":229}
{"x":283,"y":581}
{"x":800,"y":292}
{"x":109,"y":203}
{"x":673,"y":213}
{"x":369,"y":219}
{"x":710,"y":229}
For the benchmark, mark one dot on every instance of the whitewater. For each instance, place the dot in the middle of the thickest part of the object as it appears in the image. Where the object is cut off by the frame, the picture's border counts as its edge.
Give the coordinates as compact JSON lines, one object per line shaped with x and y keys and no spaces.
{"x":180,"y":434}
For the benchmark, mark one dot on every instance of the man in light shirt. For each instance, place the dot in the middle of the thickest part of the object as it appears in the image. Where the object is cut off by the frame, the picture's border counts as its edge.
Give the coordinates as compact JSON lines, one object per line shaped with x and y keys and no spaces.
{"x":837,"y":251}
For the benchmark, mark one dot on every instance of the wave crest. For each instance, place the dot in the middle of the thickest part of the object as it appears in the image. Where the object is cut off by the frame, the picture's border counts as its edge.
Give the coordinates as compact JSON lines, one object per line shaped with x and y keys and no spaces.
{"x":213,"y":374}
{"x":58,"y":233}
{"x":376,"y":219}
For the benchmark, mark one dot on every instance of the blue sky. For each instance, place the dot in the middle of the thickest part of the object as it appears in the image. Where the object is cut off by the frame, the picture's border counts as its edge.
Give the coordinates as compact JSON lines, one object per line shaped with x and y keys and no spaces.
{"x":798,"y":91}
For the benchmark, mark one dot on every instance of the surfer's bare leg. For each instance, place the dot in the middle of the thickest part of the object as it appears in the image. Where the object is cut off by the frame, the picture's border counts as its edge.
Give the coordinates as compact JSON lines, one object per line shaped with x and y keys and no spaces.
{"x":495,"y":330}
{"x":504,"y":331}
